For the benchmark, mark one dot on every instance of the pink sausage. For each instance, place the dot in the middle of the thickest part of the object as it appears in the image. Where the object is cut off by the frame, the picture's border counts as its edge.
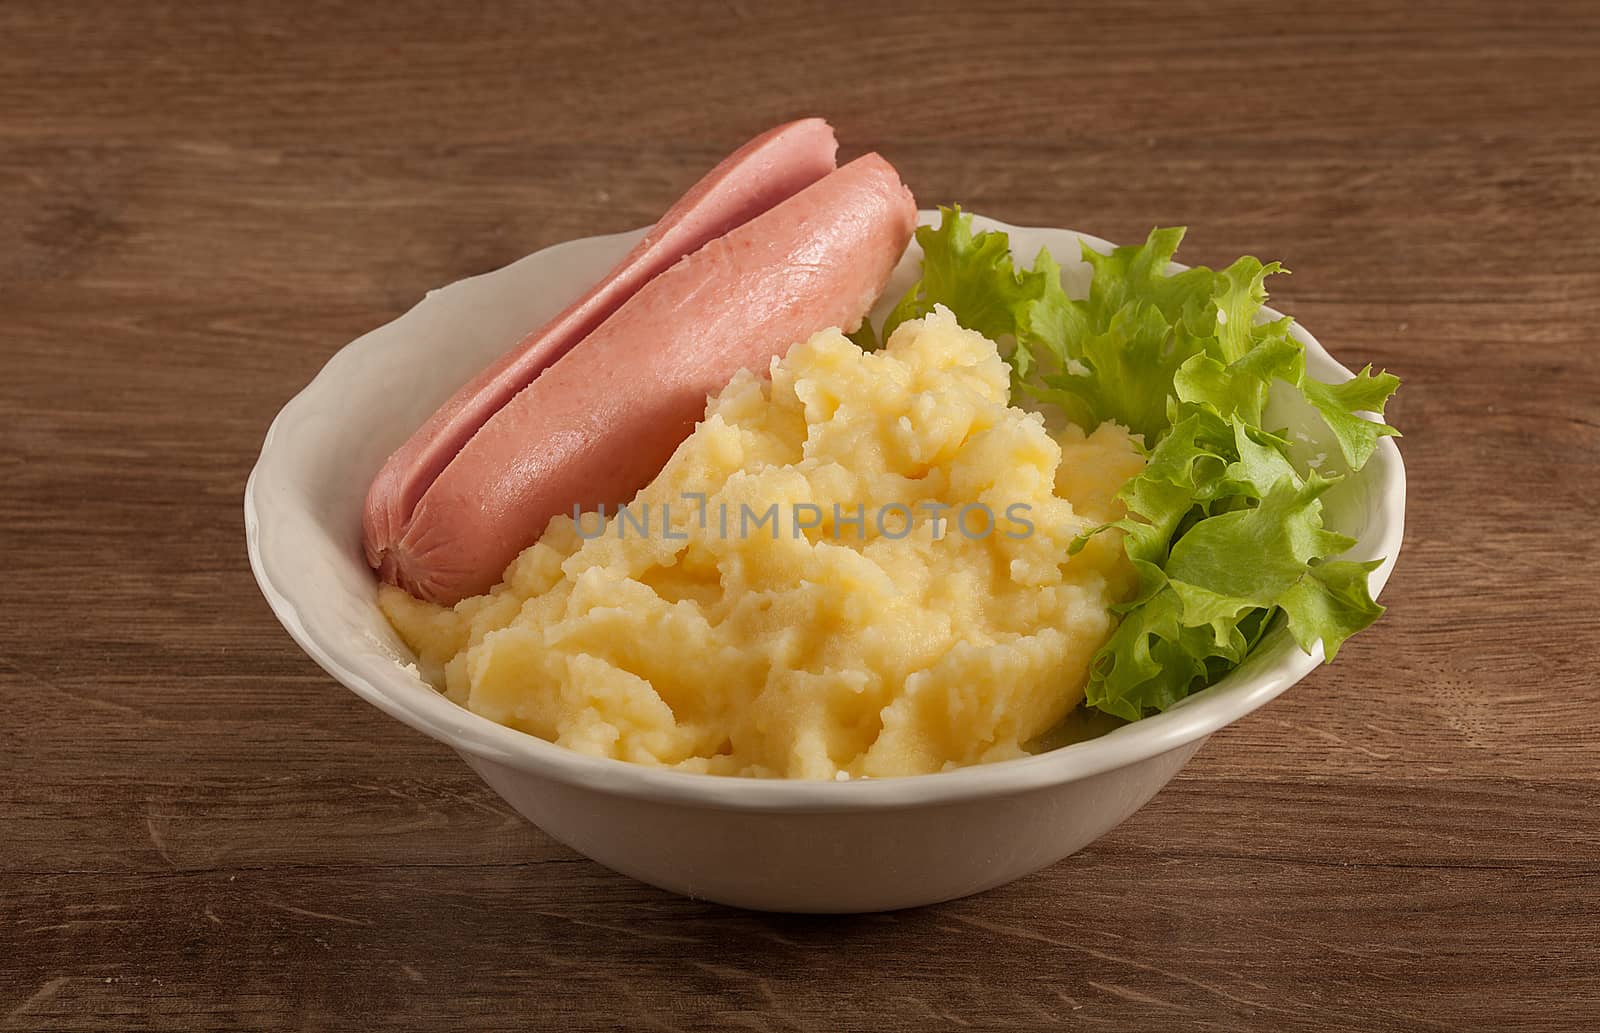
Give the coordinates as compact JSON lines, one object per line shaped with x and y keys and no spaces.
{"x":601,"y":422}
{"x":764,"y":172}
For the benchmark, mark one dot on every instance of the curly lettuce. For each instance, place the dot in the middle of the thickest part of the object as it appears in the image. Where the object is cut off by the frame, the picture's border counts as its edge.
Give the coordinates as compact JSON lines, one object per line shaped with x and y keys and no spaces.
{"x":1223,"y":529}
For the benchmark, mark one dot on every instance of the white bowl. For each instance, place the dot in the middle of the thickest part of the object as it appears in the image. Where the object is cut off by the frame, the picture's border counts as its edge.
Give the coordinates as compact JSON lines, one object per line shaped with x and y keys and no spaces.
{"x":864,"y":845}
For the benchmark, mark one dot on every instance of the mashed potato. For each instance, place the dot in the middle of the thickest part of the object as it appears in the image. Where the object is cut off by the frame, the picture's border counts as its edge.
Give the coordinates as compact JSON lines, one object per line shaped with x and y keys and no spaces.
{"x":788,"y":599}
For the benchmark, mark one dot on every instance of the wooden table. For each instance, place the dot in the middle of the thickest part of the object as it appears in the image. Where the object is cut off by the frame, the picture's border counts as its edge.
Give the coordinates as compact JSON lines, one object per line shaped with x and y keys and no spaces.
{"x":200,"y":203}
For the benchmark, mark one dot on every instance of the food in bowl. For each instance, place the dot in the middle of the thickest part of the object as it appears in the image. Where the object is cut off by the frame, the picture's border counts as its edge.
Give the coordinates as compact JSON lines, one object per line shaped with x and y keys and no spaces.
{"x":1167,"y":527}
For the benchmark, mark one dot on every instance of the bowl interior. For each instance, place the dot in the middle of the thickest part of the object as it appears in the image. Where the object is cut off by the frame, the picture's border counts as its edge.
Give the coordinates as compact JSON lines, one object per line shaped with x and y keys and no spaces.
{"x":304,"y":499}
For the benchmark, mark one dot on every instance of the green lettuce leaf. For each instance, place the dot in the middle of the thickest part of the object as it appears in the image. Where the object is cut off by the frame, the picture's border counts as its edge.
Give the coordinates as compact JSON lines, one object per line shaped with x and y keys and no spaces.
{"x":1224,"y":531}
{"x":1340,"y":405}
{"x":972,"y":275}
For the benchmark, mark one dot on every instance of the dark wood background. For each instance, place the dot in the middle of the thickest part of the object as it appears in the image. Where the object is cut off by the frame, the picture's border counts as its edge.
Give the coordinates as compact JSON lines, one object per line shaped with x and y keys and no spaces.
{"x":200,"y":203}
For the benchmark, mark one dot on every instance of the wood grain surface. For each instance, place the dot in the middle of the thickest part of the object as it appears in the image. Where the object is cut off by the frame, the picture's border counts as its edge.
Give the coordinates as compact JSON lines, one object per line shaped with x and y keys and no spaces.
{"x":200,"y":203}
